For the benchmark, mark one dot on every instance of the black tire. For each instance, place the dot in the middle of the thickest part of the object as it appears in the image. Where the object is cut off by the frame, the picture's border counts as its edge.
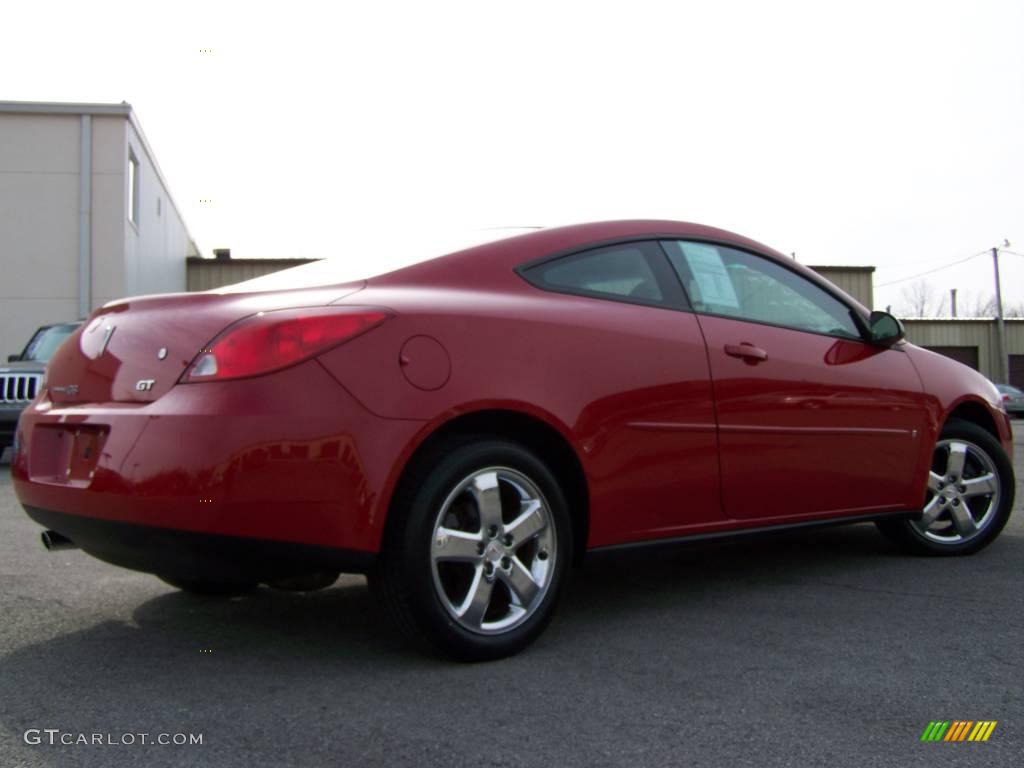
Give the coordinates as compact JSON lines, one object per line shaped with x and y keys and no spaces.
{"x":208,"y":588}
{"x":984,"y":456}
{"x":413,"y":580}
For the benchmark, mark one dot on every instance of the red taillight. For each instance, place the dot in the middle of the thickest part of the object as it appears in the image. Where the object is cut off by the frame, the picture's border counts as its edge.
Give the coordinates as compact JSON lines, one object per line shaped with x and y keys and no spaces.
{"x":270,"y":341}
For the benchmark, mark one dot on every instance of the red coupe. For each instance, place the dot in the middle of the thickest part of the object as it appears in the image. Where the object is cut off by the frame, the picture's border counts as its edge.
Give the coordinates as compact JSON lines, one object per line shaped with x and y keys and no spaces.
{"x":464,"y":429}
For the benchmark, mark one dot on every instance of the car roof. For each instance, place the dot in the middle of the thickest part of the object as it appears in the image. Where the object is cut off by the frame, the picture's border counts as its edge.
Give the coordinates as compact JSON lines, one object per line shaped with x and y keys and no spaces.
{"x":505,"y":253}
{"x":415,"y":253}
{"x":492,"y":266}
{"x":487,"y":258}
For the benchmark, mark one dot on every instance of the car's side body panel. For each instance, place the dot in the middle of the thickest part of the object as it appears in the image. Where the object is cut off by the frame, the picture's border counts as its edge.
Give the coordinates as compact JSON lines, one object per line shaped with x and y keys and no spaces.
{"x":628,"y":385}
{"x":949,"y":384}
{"x":823,"y":426}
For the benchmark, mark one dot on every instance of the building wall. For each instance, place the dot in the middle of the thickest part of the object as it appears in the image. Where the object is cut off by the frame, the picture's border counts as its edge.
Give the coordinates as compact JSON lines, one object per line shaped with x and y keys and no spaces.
{"x":40,"y":200}
{"x":39,"y":157}
{"x":207,"y":274}
{"x":856,"y":281}
{"x":962,"y":332}
{"x":108,"y":209}
{"x":155,"y":247}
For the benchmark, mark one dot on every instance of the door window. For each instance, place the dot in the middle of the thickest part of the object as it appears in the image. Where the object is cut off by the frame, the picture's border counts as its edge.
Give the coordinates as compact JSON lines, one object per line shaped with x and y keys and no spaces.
{"x":725,"y":281}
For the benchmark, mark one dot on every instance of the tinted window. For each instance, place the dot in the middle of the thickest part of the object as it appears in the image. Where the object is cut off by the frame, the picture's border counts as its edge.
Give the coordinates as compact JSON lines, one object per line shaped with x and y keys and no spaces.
{"x":619,"y":271}
{"x":725,"y":281}
{"x":45,"y":342}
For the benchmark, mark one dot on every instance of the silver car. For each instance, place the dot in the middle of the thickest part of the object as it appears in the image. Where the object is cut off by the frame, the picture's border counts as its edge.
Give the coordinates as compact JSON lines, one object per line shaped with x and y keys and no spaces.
{"x":1013,"y":399}
{"x":20,"y":378}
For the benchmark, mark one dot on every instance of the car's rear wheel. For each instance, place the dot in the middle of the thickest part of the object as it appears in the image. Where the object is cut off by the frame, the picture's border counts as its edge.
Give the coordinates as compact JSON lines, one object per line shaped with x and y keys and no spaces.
{"x":477,"y":549}
{"x":970,"y":495}
{"x":209,"y":588}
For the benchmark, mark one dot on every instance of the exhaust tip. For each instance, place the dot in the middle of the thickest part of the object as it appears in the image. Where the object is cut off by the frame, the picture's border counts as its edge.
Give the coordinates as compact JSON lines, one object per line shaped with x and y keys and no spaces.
{"x":53,"y":541}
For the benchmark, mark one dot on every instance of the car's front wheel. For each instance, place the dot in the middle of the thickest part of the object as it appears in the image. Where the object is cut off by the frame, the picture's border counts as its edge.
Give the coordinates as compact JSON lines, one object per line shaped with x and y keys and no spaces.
{"x":970,"y":495}
{"x":477,"y":549}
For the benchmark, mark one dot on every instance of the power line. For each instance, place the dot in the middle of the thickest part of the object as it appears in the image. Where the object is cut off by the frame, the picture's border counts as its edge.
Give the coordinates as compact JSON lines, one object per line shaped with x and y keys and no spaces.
{"x":931,"y":271}
{"x":1004,"y":250}
{"x":916,"y":263}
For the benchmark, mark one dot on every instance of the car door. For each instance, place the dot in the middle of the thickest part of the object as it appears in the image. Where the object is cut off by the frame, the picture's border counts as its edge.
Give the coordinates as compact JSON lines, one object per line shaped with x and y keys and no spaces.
{"x":812,"y":419}
{"x":647,"y":428}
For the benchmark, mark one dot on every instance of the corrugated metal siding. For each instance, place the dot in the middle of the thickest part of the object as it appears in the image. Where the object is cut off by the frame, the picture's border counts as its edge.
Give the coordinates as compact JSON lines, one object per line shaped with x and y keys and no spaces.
{"x":1017,"y":370}
{"x":856,"y":281}
{"x":207,"y":274}
{"x":968,"y":333}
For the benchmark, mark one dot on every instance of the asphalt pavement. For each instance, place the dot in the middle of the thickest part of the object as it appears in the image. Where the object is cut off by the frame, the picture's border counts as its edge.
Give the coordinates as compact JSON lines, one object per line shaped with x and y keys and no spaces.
{"x":826,"y":647}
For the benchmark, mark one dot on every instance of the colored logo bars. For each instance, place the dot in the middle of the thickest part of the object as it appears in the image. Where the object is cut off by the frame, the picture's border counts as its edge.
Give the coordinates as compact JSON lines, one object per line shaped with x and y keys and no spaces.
{"x":958,"y":730}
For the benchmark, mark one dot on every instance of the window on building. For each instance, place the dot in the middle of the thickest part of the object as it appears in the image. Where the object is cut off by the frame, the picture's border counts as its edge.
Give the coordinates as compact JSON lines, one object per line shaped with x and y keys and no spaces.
{"x":133,"y":188}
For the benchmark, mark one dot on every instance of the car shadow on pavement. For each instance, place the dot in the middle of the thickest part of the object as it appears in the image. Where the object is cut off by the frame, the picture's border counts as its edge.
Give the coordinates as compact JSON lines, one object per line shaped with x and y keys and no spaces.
{"x":731,"y":568}
{"x":194,"y":664}
{"x":342,"y":627}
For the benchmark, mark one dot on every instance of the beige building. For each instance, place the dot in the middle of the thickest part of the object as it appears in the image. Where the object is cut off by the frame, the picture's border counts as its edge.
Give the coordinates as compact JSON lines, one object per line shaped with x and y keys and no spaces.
{"x":208,"y":274}
{"x":85,"y":215}
{"x":856,"y":281}
{"x":972,"y":341}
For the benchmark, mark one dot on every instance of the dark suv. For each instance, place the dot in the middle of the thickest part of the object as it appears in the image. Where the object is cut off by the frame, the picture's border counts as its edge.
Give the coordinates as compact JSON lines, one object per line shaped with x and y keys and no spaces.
{"x":20,"y":378}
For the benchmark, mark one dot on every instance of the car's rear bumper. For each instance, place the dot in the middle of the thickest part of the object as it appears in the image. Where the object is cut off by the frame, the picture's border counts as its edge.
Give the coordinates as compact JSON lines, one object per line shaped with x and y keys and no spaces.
{"x":289,"y":458}
{"x":190,"y":555}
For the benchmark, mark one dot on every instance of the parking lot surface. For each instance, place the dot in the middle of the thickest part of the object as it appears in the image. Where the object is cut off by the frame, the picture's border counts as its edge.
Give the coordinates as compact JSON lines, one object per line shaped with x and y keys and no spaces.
{"x":825,"y":647}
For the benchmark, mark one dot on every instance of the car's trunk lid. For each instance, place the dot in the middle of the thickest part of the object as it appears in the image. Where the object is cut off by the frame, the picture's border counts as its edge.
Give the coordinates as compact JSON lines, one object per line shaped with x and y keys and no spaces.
{"x":135,"y":350}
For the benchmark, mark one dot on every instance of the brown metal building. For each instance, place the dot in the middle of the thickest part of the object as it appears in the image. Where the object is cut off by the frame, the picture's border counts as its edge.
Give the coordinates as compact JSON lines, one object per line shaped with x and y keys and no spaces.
{"x":208,"y":274}
{"x":972,"y":341}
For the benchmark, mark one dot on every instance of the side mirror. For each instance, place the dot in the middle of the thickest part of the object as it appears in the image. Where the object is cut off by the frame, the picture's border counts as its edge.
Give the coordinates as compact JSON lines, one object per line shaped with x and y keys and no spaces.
{"x":885,"y":329}
{"x":13,"y":358}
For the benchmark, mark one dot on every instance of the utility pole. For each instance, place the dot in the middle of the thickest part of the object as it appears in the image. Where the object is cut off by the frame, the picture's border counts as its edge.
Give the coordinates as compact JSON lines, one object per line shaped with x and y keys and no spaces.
{"x":1002,"y":369}
{"x":952,"y":301}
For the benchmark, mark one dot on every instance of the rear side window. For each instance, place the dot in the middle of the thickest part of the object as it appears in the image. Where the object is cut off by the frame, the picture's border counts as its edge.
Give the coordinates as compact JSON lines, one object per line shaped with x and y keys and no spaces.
{"x":627,"y":272}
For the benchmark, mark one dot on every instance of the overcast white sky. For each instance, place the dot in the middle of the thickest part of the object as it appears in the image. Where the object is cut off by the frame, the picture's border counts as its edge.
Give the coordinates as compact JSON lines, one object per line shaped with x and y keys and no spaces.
{"x":882,"y":133}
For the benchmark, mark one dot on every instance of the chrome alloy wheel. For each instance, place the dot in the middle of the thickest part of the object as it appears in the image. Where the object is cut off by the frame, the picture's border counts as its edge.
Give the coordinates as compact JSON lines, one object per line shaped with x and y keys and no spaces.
{"x":964,"y":493}
{"x":493,"y":550}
